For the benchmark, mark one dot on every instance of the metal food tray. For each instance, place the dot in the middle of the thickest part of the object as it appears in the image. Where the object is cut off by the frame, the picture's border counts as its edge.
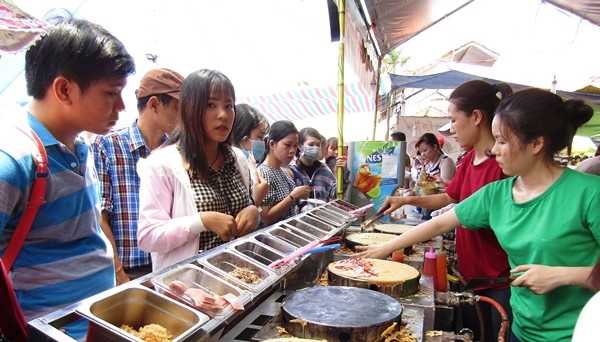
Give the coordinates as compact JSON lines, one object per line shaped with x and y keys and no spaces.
{"x":290,"y":236}
{"x":137,"y":306}
{"x":307,"y":229}
{"x":320,"y":224}
{"x":275,"y":243}
{"x":195,"y":277}
{"x":225,"y":261}
{"x":297,"y":231}
{"x":338,"y":210}
{"x":343,"y":205}
{"x":259,"y":252}
{"x":327,"y":216}
{"x":342,"y":215}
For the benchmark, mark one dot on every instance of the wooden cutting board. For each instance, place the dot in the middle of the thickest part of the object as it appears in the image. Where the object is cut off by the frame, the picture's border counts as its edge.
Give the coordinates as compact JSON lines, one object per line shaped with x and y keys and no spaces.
{"x":392,"y":278}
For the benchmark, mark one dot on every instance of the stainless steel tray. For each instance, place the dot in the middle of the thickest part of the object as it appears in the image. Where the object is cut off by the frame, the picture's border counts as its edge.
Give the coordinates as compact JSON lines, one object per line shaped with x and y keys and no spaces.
{"x":137,"y":306}
{"x":224,"y":261}
{"x":195,"y":277}
{"x":257,"y":251}
{"x":290,"y":236}
{"x":327,"y":216}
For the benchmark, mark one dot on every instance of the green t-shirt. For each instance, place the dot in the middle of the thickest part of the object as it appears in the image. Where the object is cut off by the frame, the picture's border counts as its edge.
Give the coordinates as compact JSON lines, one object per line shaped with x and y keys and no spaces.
{"x":560,"y":227}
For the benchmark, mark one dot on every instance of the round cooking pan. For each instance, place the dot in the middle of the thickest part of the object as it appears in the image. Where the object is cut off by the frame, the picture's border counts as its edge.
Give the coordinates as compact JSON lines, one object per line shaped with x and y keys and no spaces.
{"x":339,"y":313}
{"x":396,"y":229}
{"x":365,"y":239}
{"x":392,"y":228}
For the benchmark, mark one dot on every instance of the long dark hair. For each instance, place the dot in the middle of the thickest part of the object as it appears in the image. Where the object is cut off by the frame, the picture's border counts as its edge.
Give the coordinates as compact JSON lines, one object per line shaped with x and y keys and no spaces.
{"x":196,"y":90}
{"x":247,"y":118}
{"x":533,"y":113}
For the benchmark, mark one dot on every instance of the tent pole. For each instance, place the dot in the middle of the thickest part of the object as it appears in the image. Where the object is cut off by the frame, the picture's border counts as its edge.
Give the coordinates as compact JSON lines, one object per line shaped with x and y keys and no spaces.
{"x":377,"y":86}
{"x":340,"y":109}
{"x":388,"y":111}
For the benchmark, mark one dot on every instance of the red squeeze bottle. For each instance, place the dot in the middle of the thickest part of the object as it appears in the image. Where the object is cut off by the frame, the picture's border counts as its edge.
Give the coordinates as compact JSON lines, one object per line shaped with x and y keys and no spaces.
{"x":429,"y":265}
{"x":441,"y":281}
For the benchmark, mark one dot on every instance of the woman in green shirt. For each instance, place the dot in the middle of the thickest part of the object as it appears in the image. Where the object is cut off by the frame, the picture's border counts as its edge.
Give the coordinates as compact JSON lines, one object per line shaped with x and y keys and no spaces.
{"x":545,"y":216}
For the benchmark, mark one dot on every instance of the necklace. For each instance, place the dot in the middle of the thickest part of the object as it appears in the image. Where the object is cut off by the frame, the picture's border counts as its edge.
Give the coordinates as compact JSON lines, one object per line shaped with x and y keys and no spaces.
{"x":217,"y":158}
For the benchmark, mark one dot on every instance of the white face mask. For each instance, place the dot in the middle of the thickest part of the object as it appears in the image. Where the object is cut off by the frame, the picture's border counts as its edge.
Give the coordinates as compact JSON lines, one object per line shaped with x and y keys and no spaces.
{"x":312,"y":153}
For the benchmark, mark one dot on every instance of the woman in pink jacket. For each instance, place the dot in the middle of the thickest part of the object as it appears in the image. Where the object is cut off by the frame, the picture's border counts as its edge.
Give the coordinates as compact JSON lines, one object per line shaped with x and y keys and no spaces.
{"x":193,"y":196}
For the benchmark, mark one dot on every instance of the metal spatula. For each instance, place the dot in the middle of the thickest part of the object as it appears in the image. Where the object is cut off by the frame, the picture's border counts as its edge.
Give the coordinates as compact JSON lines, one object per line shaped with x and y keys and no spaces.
{"x":369,"y":222}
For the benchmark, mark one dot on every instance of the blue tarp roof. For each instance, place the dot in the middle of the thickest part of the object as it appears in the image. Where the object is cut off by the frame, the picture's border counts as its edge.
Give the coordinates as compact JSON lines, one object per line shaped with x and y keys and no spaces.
{"x":452,"y":79}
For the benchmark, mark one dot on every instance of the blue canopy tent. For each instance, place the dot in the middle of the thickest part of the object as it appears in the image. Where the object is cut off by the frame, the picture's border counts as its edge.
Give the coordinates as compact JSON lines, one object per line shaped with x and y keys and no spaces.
{"x":452,"y":79}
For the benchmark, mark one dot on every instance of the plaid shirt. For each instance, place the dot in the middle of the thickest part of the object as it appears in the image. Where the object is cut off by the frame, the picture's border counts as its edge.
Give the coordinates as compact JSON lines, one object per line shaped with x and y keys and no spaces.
{"x":323,"y":184}
{"x":281,"y":185}
{"x":223,"y":191}
{"x":116,"y":155}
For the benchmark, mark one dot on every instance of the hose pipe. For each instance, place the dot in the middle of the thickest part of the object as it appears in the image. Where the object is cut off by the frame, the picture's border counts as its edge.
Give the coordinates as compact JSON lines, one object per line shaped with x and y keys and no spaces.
{"x":503,"y":315}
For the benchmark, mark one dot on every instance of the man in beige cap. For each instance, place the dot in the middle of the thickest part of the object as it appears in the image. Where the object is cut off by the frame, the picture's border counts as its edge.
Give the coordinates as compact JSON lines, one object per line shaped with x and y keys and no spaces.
{"x":116,"y":155}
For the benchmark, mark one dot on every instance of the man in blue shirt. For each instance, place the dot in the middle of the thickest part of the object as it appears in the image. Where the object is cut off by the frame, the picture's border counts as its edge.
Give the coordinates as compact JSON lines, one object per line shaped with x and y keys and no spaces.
{"x":116,"y":155}
{"x":75,"y":74}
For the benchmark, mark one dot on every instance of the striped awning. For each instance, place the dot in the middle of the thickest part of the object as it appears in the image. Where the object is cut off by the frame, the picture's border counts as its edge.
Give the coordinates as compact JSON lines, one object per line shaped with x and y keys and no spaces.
{"x":308,"y":103}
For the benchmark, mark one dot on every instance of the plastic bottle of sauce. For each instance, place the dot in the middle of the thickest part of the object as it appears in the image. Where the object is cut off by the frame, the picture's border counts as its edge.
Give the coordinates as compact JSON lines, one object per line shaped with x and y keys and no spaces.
{"x":398,"y":256}
{"x":429,"y":265}
{"x":441,"y":281}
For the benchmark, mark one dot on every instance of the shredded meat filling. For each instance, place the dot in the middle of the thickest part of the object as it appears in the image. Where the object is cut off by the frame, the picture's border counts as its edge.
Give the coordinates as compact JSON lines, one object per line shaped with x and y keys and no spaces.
{"x":247,"y":275}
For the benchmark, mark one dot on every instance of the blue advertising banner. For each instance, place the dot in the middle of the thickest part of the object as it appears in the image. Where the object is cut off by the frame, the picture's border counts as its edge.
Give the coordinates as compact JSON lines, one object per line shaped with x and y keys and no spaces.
{"x":376,"y":170}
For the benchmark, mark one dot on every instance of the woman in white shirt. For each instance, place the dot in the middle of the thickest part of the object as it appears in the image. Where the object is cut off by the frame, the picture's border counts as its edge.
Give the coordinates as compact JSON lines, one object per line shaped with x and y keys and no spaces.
{"x":193,"y":196}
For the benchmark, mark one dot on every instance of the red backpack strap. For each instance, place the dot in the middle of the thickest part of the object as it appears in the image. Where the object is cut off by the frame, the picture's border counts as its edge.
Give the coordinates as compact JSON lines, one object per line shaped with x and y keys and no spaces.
{"x":36,"y":199}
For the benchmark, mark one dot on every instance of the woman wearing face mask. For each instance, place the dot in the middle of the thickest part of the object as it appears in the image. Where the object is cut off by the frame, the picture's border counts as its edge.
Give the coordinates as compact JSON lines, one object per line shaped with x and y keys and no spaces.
{"x":313,"y":172}
{"x":247,"y":138}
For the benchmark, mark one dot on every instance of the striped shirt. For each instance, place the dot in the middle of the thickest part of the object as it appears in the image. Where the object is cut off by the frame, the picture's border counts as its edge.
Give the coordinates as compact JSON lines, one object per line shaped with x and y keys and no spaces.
{"x":66,"y":257}
{"x":116,"y":155}
{"x":323,"y":184}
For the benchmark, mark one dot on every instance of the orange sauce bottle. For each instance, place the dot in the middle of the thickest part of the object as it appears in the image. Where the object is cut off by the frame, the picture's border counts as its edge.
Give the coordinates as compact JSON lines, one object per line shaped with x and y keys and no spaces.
{"x":441,"y":281}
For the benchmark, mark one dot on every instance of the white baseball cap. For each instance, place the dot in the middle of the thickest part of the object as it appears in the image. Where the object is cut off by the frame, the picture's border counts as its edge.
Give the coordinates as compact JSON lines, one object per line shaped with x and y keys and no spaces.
{"x":445,"y":130}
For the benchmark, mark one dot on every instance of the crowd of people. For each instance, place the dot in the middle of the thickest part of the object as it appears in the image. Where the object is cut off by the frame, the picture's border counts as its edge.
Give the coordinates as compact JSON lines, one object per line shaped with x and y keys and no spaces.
{"x":195,"y":170}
